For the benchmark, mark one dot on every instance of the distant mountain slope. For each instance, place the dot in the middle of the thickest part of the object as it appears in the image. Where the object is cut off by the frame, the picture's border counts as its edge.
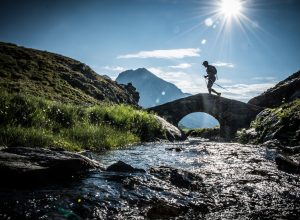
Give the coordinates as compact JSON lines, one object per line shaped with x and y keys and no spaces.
{"x":153,"y":90}
{"x":156,"y":91}
{"x":55,"y":77}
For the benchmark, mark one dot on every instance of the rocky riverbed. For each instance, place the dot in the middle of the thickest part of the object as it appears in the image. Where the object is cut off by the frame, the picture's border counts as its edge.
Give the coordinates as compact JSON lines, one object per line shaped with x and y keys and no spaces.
{"x":193,"y":179}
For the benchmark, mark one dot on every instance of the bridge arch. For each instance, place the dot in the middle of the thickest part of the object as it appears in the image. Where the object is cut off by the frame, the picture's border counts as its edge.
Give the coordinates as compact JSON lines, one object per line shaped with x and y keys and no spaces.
{"x":198,"y":120}
{"x":231,"y":114}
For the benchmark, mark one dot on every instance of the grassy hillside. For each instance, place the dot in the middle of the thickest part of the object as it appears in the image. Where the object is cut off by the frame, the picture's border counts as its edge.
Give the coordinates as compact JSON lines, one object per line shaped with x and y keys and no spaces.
{"x":55,"y":77}
{"x":48,"y":100}
{"x":35,"y":122}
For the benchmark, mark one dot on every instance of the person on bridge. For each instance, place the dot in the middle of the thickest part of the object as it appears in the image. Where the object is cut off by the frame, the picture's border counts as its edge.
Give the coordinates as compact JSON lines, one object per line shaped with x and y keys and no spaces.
{"x":211,"y":75}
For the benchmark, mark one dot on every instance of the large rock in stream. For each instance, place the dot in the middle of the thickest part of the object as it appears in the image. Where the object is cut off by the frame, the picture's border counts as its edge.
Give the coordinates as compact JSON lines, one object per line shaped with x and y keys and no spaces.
{"x":120,"y":166}
{"x":172,"y":132}
{"x":177,"y":177}
{"x":20,"y":166}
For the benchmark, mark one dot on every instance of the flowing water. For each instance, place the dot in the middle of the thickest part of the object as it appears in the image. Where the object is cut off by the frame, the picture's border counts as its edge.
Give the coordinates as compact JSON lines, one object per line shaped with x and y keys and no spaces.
{"x":183,"y":180}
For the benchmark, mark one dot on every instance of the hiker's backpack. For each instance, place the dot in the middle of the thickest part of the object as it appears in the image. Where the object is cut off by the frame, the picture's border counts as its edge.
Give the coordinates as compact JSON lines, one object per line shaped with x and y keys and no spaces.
{"x":212,"y":70}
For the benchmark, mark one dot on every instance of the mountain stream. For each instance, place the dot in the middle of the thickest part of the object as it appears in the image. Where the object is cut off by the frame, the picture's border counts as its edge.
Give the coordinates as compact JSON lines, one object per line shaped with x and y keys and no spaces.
{"x":193,"y":179}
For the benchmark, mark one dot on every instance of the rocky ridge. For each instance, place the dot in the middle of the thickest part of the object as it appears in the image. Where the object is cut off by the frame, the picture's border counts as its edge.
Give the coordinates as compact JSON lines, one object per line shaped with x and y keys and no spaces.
{"x":285,"y":91}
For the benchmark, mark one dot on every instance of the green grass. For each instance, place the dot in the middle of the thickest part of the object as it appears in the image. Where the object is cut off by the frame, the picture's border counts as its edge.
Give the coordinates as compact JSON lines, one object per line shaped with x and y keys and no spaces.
{"x":35,"y":122}
{"x":203,"y":132}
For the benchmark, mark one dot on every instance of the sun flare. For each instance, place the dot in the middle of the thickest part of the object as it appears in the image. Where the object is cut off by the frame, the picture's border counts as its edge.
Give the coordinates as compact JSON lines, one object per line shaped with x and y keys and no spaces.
{"x":230,"y":8}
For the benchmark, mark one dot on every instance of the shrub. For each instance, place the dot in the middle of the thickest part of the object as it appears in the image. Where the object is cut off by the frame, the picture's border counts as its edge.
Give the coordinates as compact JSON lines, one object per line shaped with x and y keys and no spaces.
{"x":210,"y":133}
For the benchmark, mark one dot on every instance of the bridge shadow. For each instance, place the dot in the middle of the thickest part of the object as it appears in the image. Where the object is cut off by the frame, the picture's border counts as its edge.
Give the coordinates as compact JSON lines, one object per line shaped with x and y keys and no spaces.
{"x":231,"y":114}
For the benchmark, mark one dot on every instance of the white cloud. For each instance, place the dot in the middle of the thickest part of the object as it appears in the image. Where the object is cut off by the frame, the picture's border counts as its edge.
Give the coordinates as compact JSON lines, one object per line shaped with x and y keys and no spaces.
{"x":182,"y":66}
{"x":221,"y":64}
{"x":164,"y":54}
{"x":189,"y":83}
{"x":244,"y":92}
{"x":224,"y":81}
{"x":114,"y":68}
{"x":157,"y":71}
{"x":194,"y":83}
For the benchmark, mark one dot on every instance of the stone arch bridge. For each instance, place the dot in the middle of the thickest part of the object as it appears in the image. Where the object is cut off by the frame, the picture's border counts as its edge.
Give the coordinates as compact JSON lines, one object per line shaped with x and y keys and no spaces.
{"x":231,"y":114}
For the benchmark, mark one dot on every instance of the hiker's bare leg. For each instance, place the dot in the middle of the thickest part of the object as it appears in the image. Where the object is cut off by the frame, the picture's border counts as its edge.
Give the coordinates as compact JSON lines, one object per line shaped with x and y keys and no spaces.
{"x":209,"y":86}
{"x":209,"y":90}
{"x":214,"y":91}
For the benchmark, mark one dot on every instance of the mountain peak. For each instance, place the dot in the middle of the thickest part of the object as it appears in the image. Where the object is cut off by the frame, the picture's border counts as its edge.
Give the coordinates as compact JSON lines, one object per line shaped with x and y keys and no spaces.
{"x":153,"y":90}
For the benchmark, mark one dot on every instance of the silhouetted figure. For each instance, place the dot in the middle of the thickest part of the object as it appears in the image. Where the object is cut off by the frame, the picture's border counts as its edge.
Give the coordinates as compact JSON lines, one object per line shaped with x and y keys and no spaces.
{"x":211,"y":75}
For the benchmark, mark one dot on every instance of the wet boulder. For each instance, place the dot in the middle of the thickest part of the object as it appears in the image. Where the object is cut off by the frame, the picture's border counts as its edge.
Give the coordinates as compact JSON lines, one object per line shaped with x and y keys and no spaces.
{"x":120,"y":166}
{"x":163,"y":210}
{"x":32,"y":166}
{"x":272,"y":144}
{"x":177,"y":149}
{"x":178,"y":178}
{"x":290,"y":164}
{"x":172,"y":132}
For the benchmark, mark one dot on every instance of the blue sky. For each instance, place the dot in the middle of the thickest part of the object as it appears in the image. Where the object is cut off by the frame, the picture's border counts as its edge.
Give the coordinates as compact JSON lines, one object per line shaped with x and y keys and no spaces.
{"x":252,"y":50}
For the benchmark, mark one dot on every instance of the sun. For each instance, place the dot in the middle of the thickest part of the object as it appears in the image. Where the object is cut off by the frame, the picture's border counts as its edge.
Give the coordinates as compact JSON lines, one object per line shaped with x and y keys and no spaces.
{"x":230,"y":8}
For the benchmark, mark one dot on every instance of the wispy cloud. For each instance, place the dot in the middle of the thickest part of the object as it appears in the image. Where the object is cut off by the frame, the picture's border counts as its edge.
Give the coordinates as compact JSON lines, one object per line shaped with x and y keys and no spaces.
{"x":224,"y":81}
{"x":193,"y":83}
{"x":114,"y":68}
{"x":262,"y":78}
{"x":223,"y":64}
{"x":164,"y":54}
{"x":182,"y":66}
{"x":156,"y":70}
{"x":188,"y":83}
{"x":244,"y":92}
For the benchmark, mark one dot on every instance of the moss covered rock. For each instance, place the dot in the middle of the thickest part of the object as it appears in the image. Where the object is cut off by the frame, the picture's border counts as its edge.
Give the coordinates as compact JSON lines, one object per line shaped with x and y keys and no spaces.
{"x":282,"y":123}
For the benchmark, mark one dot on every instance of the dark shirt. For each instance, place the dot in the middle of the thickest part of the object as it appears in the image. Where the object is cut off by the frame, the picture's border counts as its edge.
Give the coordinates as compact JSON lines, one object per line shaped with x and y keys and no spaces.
{"x":211,"y":71}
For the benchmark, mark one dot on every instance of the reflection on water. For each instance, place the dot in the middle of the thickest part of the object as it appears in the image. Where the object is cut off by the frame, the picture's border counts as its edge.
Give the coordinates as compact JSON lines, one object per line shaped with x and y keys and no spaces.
{"x":195,"y":180}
